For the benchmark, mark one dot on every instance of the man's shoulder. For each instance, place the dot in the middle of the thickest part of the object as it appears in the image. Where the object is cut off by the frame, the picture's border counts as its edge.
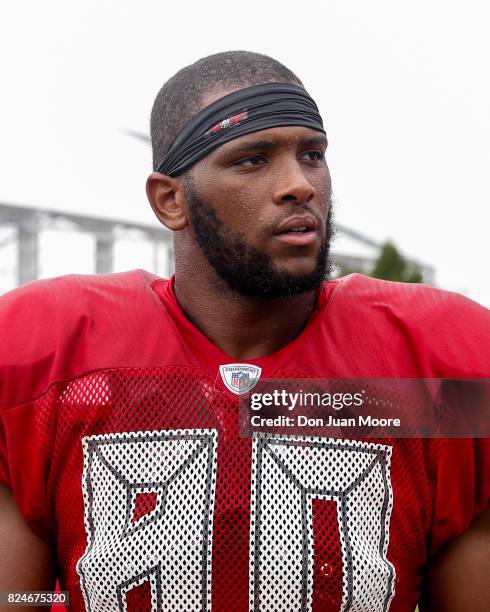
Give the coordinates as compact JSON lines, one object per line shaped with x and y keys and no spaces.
{"x":72,"y":292}
{"x":66,"y":299}
{"x":441,"y":333}
{"x":61,"y":327}
{"x":414,"y":301}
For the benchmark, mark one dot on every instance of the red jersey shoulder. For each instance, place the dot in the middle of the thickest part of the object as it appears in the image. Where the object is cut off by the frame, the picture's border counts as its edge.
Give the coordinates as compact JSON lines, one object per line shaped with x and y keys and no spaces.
{"x":447,"y":333}
{"x":418,"y":299}
{"x":61,"y":327}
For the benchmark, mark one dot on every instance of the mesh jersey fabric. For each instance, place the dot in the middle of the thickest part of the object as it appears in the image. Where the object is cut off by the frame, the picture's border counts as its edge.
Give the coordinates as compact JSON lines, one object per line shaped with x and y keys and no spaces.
{"x":120,"y":443}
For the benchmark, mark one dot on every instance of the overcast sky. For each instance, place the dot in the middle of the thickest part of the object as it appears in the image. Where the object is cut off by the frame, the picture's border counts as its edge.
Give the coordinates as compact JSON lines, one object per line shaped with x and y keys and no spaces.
{"x":403,"y":88}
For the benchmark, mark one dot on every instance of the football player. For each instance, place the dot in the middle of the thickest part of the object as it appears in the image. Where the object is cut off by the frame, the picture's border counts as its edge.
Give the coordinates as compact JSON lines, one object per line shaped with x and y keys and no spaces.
{"x":124,"y":472}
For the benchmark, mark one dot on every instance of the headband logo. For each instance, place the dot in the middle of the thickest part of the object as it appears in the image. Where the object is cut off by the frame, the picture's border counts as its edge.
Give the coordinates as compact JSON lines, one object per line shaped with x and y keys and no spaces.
{"x":226,"y":123}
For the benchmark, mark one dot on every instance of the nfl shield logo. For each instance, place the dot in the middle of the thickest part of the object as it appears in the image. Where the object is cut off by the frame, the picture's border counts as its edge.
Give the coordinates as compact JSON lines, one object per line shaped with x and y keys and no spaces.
{"x":240,"y":377}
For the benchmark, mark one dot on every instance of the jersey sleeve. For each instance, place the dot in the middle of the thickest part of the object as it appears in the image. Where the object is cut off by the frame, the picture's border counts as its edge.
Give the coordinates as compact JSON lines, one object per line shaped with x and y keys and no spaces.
{"x":26,"y":434}
{"x":4,"y":466}
{"x":27,"y":417}
{"x":462,"y":488}
{"x":456,"y":341}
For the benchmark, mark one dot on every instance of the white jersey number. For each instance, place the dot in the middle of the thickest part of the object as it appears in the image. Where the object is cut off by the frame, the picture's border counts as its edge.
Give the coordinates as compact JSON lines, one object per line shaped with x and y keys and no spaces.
{"x":170,"y":546}
{"x":287,"y":475}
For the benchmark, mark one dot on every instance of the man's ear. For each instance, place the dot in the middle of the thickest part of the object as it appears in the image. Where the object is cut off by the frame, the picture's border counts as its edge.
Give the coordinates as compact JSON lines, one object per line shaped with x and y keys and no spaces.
{"x":166,"y":196}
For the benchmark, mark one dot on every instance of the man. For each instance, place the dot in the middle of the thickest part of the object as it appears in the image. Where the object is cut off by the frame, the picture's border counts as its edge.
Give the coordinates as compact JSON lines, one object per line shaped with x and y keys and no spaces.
{"x":123,"y":466}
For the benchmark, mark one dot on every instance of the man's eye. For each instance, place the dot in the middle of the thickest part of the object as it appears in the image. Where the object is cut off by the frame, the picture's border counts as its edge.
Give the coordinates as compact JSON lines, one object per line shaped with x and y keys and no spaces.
{"x":314,"y":155}
{"x":255,"y":160}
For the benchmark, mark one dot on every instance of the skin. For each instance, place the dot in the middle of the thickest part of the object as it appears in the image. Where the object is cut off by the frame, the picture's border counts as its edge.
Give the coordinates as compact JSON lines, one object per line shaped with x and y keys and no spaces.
{"x":260,"y":186}
{"x":27,"y":562}
{"x":458,"y":579}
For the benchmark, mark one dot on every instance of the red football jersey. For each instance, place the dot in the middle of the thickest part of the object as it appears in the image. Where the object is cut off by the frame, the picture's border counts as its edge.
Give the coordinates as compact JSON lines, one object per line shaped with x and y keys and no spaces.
{"x":121,"y":445}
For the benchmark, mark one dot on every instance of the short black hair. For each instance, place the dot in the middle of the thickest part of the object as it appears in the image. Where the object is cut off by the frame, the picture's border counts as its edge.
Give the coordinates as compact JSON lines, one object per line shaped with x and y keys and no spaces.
{"x":181,"y":96}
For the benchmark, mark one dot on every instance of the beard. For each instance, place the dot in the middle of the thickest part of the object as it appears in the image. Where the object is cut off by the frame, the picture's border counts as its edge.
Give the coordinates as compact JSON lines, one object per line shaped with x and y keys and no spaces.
{"x":246,"y":269}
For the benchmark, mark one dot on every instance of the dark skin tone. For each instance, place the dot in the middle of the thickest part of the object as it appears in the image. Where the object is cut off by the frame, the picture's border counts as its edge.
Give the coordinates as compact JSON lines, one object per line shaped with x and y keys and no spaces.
{"x":26,"y":562}
{"x":264,"y":179}
{"x":458,"y":579}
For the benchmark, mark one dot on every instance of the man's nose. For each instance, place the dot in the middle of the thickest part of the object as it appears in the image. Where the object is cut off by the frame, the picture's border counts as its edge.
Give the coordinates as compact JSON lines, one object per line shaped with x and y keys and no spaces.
{"x":292,"y":185}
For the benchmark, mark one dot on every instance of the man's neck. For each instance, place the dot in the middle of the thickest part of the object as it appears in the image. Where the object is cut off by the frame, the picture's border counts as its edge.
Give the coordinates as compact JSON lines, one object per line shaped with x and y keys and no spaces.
{"x":244,"y":327}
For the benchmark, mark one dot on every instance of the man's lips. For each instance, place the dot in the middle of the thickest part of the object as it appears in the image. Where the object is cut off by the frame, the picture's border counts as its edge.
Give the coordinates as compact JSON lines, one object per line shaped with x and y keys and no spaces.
{"x":298,"y":239}
{"x":299,"y":230}
{"x":296,"y":223}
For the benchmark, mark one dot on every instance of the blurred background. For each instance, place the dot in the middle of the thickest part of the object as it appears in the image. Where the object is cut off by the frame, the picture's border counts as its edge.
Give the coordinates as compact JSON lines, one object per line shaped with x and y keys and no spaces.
{"x":402,"y":91}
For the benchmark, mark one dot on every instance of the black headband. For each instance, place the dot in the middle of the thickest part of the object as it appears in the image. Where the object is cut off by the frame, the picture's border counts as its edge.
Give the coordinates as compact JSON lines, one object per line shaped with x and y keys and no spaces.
{"x":242,"y":112}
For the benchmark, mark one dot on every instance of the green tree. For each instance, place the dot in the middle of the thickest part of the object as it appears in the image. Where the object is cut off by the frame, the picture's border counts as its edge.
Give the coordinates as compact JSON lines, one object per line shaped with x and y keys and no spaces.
{"x":391,"y":265}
